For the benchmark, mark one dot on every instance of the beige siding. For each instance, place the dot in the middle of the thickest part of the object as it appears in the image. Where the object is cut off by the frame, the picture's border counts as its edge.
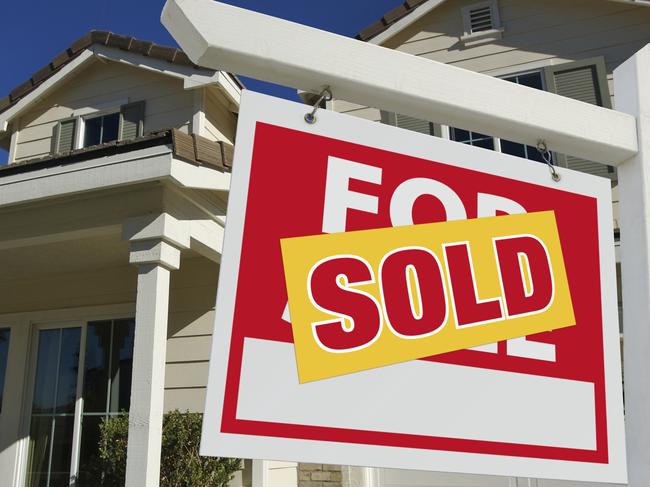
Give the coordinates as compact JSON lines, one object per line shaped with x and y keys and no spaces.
{"x":101,"y":86}
{"x":356,"y":110}
{"x":192,"y":299}
{"x":536,"y":34}
{"x":220,"y":123}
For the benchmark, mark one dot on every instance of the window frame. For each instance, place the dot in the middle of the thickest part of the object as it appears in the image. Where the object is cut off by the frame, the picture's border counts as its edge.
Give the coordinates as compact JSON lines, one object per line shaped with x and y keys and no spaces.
{"x":30,"y":382}
{"x":81,"y":124}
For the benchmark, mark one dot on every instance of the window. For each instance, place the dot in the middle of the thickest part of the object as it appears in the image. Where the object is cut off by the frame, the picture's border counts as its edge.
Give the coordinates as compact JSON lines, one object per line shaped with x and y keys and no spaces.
{"x":471,"y":138}
{"x":70,"y":398}
{"x":102,"y":129}
{"x":481,"y":23}
{"x":88,"y":130}
{"x":4,"y":353}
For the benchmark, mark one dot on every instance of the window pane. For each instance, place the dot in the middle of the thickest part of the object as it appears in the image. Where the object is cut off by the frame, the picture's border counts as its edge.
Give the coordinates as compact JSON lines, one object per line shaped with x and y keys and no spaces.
{"x":98,"y":343}
{"x":92,"y":131}
{"x":534,"y":80}
{"x":111,"y":127}
{"x":40,"y":441}
{"x":52,"y":422}
{"x":123,"y":336}
{"x":513,"y":148}
{"x":459,"y":135}
{"x":4,"y":352}
{"x":88,"y":474}
{"x":46,"y":371}
{"x":486,"y":143}
{"x":61,"y":451}
{"x":533,"y":154}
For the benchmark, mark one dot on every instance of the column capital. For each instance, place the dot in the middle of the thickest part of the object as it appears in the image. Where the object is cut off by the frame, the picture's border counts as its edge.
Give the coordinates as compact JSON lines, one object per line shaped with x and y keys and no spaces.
{"x":155,"y":252}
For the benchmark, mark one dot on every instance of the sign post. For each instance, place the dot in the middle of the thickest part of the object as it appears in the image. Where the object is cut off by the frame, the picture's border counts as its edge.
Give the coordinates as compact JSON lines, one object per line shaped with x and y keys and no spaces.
{"x":632,"y":96}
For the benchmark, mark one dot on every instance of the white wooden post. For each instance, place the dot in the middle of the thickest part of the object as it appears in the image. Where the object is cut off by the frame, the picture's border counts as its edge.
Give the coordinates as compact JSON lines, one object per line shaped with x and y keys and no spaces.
{"x":155,"y":258}
{"x":260,"y":473}
{"x":632,"y":95}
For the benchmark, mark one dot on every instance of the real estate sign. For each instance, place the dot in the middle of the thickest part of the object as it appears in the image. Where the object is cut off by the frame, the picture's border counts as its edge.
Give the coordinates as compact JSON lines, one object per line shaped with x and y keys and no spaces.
{"x":392,"y":299}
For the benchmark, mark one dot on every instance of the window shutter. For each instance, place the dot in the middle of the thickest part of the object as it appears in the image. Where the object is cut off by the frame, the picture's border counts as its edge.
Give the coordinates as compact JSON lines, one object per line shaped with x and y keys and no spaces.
{"x":410,"y":123}
{"x":64,"y":133}
{"x":585,"y":81}
{"x":131,"y":120}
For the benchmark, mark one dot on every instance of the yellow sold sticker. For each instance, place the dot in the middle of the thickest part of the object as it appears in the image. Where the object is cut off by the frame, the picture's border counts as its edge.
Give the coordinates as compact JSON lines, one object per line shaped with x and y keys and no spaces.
{"x":371,"y":298}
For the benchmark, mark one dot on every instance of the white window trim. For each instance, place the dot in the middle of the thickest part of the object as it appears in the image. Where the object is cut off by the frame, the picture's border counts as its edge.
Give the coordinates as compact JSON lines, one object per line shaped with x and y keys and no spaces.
{"x":472,"y":39}
{"x":35,"y":321}
{"x":81,"y":124}
{"x":81,"y":114}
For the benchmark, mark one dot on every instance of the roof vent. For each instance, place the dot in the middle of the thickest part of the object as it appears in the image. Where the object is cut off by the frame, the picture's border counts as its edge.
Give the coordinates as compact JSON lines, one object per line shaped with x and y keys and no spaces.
{"x":480,"y":19}
{"x":481,"y":23}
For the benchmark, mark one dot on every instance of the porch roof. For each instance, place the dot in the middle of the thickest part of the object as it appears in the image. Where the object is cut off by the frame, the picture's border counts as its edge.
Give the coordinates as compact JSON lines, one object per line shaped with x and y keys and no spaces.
{"x":191,"y":148}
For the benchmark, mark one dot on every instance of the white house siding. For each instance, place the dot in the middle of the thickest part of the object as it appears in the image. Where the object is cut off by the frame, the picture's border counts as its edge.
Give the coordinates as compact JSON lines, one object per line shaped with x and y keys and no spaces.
{"x":103,"y":85}
{"x":220,"y":122}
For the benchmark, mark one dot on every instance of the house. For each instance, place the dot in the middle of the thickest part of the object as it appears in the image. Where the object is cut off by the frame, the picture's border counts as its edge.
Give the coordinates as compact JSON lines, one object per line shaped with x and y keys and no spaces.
{"x":112,"y":209}
{"x":567,"y":47}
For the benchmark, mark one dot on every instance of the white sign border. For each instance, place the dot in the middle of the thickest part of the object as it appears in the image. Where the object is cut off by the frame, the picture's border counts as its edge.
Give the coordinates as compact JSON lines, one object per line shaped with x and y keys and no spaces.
{"x":255,"y":108}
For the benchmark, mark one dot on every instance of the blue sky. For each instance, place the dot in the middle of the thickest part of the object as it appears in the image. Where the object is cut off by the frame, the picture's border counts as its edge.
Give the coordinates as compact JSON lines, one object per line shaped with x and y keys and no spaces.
{"x":40,"y":29}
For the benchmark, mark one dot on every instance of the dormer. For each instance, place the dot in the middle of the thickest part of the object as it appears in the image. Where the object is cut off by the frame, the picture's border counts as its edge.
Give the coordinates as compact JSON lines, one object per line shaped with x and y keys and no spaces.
{"x":107,"y":88}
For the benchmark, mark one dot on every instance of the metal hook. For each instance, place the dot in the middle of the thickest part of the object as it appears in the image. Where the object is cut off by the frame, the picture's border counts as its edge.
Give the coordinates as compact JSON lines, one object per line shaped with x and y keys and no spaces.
{"x":548,"y":159}
{"x":325,"y":95}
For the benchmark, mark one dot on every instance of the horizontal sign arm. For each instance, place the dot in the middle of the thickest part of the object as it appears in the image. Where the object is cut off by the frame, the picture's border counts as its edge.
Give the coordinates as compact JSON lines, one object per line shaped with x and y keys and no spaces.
{"x":220,"y":36}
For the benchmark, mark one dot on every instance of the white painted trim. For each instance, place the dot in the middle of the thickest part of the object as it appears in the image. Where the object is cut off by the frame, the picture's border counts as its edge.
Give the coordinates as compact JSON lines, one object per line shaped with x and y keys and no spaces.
{"x":405,"y":22}
{"x":199,"y":177}
{"x":219,"y":35}
{"x":134,"y":167}
{"x":152,"y":64}
{"x":198,"y":117}
{"x":45,"y":87}
{"x":14,"y":144}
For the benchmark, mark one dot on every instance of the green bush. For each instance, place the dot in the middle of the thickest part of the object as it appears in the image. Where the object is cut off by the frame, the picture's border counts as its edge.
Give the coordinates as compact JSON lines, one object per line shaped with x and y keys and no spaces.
{"x":180,"y":463}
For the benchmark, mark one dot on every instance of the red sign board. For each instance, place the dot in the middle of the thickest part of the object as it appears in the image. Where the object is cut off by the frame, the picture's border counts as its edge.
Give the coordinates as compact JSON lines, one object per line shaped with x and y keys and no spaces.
{"x":547,"y":405}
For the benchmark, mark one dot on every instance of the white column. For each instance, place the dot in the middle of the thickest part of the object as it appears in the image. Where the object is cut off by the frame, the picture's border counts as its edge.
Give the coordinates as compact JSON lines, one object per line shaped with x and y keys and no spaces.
{"x":632,"y":95}
{"x":260,"y":473}
{"x":155,"y":258}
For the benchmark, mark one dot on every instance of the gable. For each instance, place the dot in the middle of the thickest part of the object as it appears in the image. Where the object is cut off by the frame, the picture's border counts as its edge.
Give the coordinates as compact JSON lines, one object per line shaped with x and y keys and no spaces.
{"x":103,"y":86}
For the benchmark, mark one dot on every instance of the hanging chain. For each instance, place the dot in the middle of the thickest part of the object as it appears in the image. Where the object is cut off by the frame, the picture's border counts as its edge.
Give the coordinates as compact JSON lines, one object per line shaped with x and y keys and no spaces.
{"x":548,"y":159}
{"x":325,"y":95}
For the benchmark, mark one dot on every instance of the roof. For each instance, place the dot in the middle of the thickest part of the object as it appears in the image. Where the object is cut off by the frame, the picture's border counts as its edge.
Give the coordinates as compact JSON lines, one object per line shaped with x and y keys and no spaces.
{"x":190,"y":148}
{"x":126,"y":43}
{"x":389,"y":19}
